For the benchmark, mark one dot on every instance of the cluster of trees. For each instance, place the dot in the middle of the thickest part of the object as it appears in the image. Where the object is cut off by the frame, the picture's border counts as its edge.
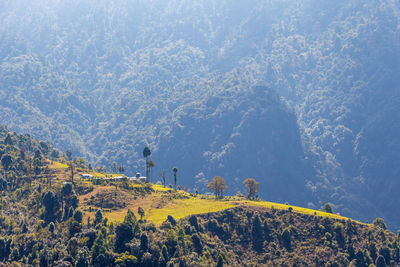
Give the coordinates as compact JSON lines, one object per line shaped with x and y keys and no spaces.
{"x":150,"y":164}
{"x":113,"y":90}
{"x":240,"y":236}
{"x":44,"y":226}
{"x":24,"y":159}
{"x":218,"y":187}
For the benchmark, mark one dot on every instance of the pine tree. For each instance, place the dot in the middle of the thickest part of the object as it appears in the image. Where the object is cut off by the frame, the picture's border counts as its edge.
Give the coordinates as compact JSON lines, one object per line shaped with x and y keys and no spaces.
{"x":220,"y":262}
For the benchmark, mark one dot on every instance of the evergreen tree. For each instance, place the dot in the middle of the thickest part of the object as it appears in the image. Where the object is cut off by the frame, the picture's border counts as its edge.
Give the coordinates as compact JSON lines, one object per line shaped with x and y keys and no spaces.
{"x":98,"y":250}
{"x":220,"y":262}
{"x":130,"y":218}
{"x":141,"y":212}
{"x":257,"y":233}
{"x":164,"y":253}
{"x":8,"y":140}
{"x":78,"y":215}
{"x":144,"y":242}
{"x":380,"y":261}
{"x":123,"y":234}
{"x":98,"y":217}
{"x":82,"y":259}
{"x":6,"y":161}
{"x":51,"y":204}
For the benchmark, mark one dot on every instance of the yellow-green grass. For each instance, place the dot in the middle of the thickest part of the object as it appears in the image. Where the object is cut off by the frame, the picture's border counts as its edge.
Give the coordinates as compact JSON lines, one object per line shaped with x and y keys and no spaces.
{"x":58,"y":165}
{"x":181,"y":208}
{"x":272,"y":205}
{"x":185,"y":207}
{"x":161,"y":188}
{"x":192,"y":205}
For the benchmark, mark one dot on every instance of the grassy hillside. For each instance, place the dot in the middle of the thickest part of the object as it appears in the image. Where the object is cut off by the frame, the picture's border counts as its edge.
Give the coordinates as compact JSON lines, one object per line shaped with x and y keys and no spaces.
{"x":105,"y":78}
{"x":115,"y":198}
{"x":48,"y":220}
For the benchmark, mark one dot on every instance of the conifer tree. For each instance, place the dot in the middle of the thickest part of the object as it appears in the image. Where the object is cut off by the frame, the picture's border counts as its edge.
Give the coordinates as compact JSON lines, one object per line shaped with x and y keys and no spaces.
{"x":220,"y":262}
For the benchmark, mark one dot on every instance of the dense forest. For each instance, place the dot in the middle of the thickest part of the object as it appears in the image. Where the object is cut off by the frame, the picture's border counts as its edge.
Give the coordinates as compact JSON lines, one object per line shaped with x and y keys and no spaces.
{"x":303,"y":96}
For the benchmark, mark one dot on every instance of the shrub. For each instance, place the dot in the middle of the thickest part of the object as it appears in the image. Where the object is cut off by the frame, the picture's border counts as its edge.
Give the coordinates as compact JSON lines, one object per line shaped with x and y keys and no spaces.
{"x":74,"y":227}
{"x":126,"y":260}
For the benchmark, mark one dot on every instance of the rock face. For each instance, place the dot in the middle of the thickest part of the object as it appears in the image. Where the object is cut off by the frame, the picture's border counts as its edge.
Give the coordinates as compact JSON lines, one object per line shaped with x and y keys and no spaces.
{"x":108,"y":78}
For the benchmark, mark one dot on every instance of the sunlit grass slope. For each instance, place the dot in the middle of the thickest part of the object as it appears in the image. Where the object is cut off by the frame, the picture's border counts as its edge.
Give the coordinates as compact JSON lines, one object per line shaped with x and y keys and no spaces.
{"x":164,"y":201}
{"x":186,"y":207}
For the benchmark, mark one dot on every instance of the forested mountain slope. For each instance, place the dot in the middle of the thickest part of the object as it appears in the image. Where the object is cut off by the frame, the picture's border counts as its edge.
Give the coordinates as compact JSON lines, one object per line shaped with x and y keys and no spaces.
{"x":108,"y":77}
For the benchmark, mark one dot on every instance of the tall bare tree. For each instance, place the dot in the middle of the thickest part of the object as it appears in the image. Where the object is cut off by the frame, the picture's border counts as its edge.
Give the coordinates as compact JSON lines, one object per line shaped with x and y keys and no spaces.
{"x":146,"y":155}
{"x":71,"y":169}
{"x":175,"y":170}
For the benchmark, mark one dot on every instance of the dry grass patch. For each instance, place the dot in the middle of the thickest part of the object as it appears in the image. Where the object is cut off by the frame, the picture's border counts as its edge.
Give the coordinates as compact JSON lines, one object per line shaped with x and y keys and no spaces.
{"x":109,"y":198}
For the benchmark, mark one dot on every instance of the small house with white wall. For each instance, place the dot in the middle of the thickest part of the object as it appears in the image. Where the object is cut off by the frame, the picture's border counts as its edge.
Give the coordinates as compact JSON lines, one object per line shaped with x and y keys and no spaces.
{"x":86,"y":176}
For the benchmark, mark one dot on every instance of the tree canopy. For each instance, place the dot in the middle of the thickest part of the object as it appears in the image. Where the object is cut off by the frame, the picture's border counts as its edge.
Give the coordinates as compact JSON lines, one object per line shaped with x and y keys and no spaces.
{"x":217,"y":186}
{"x":251,"y":186}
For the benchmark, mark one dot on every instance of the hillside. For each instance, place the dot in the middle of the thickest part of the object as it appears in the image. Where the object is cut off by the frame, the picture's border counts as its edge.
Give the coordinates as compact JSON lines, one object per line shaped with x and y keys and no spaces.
{"x":106,"y":78}
{"x":47,"y":221}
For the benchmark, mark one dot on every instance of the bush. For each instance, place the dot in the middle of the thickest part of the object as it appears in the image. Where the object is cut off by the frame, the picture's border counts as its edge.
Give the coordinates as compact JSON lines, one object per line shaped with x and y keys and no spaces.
{"x":126,"y":260}
{"x":74,"y":227}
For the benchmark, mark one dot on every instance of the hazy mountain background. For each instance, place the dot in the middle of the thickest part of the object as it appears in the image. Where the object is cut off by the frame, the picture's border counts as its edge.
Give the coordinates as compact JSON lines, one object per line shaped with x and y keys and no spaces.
{"x":304,"y":95}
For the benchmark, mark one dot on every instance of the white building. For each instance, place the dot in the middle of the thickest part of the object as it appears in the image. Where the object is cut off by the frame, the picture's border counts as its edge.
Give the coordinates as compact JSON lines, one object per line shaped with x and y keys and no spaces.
{"x":86,"y":176}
